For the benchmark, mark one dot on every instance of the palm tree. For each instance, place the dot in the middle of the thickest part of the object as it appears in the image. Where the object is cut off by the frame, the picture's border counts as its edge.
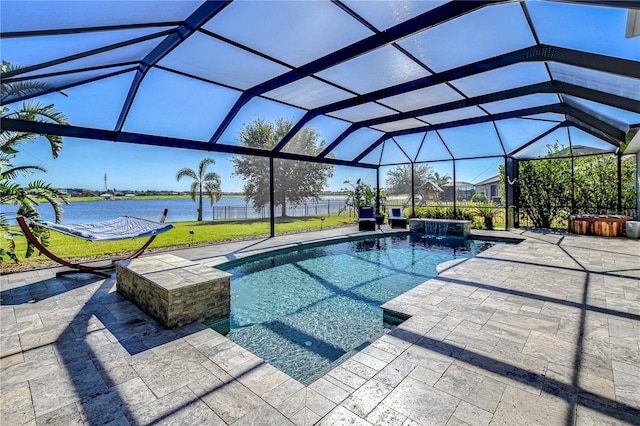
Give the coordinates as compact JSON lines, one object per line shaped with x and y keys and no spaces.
{"x":441,"y":180}
{"x":32,"y":111}
{"x":26,"y":198}
{"x":203,"y":182}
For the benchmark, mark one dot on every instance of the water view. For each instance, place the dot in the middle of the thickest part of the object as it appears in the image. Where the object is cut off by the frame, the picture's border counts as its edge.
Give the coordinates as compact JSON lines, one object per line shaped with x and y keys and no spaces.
{"x":180,"y":209}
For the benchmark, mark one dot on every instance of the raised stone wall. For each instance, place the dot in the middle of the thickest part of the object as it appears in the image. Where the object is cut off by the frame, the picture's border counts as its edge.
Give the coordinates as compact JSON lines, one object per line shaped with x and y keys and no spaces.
{"x":175,"y":291}
{"x":454,"y":228}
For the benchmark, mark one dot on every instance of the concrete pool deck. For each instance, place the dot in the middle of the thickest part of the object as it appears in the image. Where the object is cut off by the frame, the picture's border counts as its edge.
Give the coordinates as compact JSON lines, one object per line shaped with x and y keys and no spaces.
{"x":543,"y":332}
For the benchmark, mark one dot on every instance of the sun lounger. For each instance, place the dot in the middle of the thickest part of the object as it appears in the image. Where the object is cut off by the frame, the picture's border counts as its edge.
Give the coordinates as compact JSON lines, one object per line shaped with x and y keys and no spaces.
{"x":396,"y":218}
{"x":366,"y":219}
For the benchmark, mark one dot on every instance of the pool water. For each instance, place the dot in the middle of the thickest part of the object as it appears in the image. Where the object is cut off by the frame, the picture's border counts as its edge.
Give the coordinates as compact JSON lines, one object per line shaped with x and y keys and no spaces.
{"x":304,"y":311}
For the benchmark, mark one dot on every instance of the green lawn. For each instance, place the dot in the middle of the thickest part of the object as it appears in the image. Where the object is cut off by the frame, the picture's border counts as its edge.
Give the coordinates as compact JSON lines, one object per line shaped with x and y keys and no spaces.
{"x":204,"y":232}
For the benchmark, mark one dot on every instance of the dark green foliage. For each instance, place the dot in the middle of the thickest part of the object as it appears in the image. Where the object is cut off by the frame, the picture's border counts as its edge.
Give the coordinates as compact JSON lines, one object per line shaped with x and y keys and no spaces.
{"x":547,"y":192}
{"x":398,"y":180}
{"x":596,"y":184}
{"x":294,"y":181}
{"x":433,"y":212}
{"x":545,"y":187}
{"x":487,"y":211}
{"x":361,"y":194}
{"x":26,"y":198}
{"x":479,"y":198}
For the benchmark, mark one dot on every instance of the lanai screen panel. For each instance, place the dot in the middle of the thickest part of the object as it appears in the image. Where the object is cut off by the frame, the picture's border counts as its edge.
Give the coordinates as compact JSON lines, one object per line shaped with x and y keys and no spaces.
{"x":385,"y":81}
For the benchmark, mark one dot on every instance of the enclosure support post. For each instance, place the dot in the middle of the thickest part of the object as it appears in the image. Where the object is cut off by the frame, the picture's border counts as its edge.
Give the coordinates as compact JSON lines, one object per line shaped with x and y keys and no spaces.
{"x":512,"y":191}
{"x":573,"y":196}
{"x":272,"y":207}
{"x":454,"y":189}
{"x":413,"y":193}
{"x":619,"y":182}
{"x":638,"y":185}
{"x":506,"y":195}
{"x":378,"y":190}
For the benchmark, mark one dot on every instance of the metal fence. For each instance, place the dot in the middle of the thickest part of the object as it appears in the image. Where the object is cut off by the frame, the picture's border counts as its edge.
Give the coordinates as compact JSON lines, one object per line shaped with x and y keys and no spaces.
{"x":334,"y":207}
{"x":327,"y":207}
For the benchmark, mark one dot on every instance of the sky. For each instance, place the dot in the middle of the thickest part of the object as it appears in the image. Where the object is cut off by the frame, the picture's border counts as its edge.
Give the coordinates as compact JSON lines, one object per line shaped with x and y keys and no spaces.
{"x":83,"y":163}
{"x":169,"y":104}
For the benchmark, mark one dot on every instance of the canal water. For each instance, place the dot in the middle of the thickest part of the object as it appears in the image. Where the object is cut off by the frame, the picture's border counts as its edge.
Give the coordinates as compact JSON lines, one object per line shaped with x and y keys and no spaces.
{"x":180,"y":209}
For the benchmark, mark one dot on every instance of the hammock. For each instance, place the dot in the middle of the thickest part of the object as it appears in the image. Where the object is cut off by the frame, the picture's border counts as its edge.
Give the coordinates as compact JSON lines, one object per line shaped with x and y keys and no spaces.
{"x":122,"y":228}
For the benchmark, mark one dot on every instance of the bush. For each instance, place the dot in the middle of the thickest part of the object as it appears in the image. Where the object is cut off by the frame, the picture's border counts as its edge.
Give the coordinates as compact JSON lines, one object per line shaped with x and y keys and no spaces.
{"x":554,"y":184}
{"x":464,"y":215}
{"x":434,"y":212}
{"x":486,"y":211}
{"x":479,"y":198}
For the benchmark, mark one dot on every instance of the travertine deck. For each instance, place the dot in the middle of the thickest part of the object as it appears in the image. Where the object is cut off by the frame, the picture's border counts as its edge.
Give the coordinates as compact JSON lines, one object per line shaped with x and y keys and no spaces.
{"x":544,"y":332}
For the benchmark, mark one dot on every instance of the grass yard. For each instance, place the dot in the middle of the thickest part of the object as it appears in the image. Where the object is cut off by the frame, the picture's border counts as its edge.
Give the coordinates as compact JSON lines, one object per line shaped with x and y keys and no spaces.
{"x":204,"y":232}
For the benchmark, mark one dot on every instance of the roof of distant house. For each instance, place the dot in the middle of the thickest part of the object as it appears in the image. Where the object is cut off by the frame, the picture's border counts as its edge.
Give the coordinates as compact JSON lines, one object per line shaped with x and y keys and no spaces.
{"x":582,"y":150}
{"x":492,"y":179}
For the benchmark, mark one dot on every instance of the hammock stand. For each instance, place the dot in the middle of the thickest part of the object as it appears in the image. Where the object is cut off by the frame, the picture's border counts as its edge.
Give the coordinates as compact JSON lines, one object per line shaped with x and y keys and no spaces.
{"x":76,"y":268}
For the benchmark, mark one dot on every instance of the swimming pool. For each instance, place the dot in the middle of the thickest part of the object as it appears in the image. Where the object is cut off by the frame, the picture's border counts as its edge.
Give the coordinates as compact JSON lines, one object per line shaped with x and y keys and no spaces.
{"x":306,"y":310}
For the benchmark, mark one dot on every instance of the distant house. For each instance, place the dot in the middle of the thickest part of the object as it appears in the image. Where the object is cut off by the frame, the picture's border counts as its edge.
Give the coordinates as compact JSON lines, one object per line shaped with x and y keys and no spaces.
{"x":490,"y":188}
{"x":464,"y":191}
{"x":582,"y":150}
{"x":430,"y":192}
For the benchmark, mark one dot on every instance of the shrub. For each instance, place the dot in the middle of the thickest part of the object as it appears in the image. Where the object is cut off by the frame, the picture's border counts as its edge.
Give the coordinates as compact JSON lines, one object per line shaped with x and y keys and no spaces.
{"x":479,"y":198}
{"x":435,"y":212}
{"x":487,"y":211}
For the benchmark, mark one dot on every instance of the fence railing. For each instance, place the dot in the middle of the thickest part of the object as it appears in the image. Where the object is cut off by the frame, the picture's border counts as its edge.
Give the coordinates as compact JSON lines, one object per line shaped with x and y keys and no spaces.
{"x":334,"y":207}
{"x":327,"y":208}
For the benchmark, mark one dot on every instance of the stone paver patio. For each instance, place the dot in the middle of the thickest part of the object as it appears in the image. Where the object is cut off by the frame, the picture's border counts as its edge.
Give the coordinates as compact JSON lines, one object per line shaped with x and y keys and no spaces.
{"x":544,"y":332}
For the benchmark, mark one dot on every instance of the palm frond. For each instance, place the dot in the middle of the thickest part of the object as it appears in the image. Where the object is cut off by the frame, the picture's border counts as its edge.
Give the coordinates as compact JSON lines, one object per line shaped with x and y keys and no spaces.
{"x":4,"y":226}
{"x":29,"y":197}
{"x":213,"y":190}
{"x":202,"y":167}
{"x":9,"y":253}
{"x":211,"y":176}
{"x":5,"y":161}
{"x":28,"y":210}
{"x":52,"y":195}
{"x":195,"y":186}
{"x":10,"y":139}
{"x":55,"y":142}
{"x":23,"y":88}
{"x":42,"y":234}
{"x":14,"y":172}
{"x":186,"y":172}
{"x":35,"y":111}
{"x":10,"y":192}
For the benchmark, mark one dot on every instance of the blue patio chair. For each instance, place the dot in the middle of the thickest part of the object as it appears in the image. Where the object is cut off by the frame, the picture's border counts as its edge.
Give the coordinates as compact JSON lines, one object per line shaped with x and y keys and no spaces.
{"x":366,"y":219}
{"x":396,"y":218}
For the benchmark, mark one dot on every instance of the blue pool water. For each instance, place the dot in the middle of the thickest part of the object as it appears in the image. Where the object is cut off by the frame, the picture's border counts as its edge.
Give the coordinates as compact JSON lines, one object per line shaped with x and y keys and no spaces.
{"x":304,"y":311}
